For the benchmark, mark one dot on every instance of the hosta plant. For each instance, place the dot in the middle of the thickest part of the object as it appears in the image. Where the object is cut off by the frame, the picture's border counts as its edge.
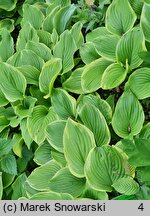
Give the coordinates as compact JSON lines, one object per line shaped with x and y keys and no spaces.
{"x":75,"y":100}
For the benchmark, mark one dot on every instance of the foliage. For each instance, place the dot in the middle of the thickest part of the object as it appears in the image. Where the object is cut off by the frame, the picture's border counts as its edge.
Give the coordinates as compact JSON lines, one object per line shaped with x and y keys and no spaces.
{"x":74,"y":99}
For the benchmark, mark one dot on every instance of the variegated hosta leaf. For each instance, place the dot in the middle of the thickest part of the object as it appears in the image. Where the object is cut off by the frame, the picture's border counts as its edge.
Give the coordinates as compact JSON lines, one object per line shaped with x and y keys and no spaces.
{"x":96,"y":33}
{"x":51,"y":196}
{"x":64,"y":182}
{"x":145,"y":21}
{"x":38,"y":121}
{"x":126,"y":186}
{"x":49,"y":73}
{"x":63,"y":103}
{"x":54,"y":134}
{"x":40,"y":49}
{"x":31,"y":74}
{"x":128,"y":117}
{"x":40,"y":177}
{"x":99,"y":103}
{"x":43,"y":153}
{"x":77,"y":34}
{"x":8,"y":24}
{"x":32,"y":15}
{"x":63,"y":17}
{"x":78,"y":140}
{"x":137,"y":6}
{"x":3,"y":100}
{"x":12,"y":82}
{"x":24,"y":132}
{"x":92,"y":75}
{"x":6,"y":45}
{"x":8,"y":5}
{"x":48,"y":23}
{"x":120,"y":17}
{"x":44,"y":37}
{"x":95,"y":121}
{"x":26,"y":33}
{"x":59,"y":158}
{"x":26,"y":57}
{"x":129,"y":46}
{"x":88,"y":53}
{"x":65,"y":50}
{"x":104,"y":165}
{"x":139,"y":83}
{"x":106,"y":46}
{"x":73,"y":83}
{"x":113,"y":76}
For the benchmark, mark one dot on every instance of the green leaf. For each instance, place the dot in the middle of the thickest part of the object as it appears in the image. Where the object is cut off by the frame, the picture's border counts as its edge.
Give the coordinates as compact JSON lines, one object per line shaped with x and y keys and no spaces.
{"x":18,"y":187}
{"x":77,"y":34}
{"x":143,"y":175}
{"x":30,"y":73}
{"x":106,"y":46}
{"x":92,"y":75}
{"x":17,"y":147}
{"x":25,"y":107}
{"x":39,"y":179}
{"x":51,"y":196}
{"x":48,"y":23}
{"x":128,"y":117}
{"x":104,"y":165}
{"x":59,"y":157}
{"x":1,"y":186}
{"x":145,"y":132}
{"x":8,"y":5}
{"x":24,"y":132}
{"x":26,"y":57}
{"x":63,"y":103}
{"x":78,"y":140}
{"x":7,"y":179}
{"x":40,"y":49}
{"x":63,"y":17}
{"x":6,"y":45}
{"x":49,"y":73}
{"x":27,"y":33}
{"x":99,"y":103}
{"x":145,"y":21}
{"x":32,"y":15}
{"x":4,"y":123}
{"x":7,"y":23}
{"x":88,"y":52}
{"x":125,"y":197}
{"x":12,"y":82}
{"x":113,"y":76}
{"x":8,"y":164}
{"x":54,"y":134}
{"x":144,"y":193}
{"x":65,"y":49}
{"x":137,"y":151}
{"x":42,"y":154}
{"x":137,"y":6}
{"x":38,"y":121}
{"x":120,"y":17}
{"x":64,"y":182}
{"x":95,"y":121}
{"x":96,"y":33}
{"x":94,"y":194}
{"x":126,"y":186}
{"x":129,"y":46}
{"x":139,"y":83}
{"x":73,"y":83}
{"x":44,"y":37}
{"x":3,"y":100}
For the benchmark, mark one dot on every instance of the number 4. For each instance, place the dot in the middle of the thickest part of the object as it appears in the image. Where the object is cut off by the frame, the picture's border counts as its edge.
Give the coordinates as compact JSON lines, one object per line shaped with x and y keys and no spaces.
{"x":141,"y":207}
